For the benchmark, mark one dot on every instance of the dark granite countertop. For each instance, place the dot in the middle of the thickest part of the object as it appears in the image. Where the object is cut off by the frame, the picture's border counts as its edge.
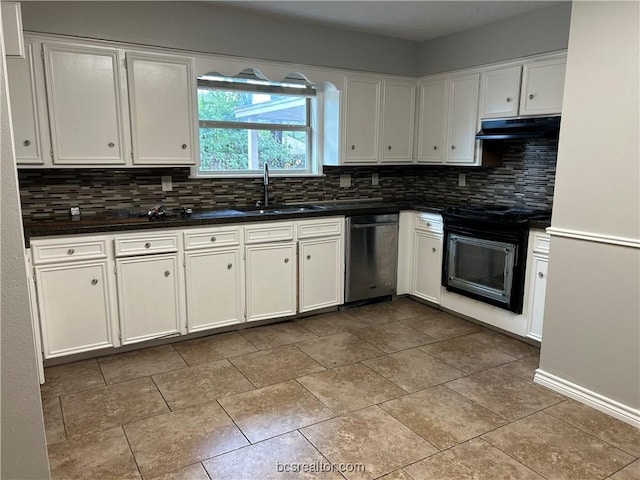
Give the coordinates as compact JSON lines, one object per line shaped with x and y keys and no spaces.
{"x":114,"y":221}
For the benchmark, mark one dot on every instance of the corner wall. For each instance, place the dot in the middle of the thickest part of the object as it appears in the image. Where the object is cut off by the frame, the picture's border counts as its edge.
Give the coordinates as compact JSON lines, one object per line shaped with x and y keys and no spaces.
{"x":539,"y":31}
{"x":591,"y":338}
{"x":23,"y":448}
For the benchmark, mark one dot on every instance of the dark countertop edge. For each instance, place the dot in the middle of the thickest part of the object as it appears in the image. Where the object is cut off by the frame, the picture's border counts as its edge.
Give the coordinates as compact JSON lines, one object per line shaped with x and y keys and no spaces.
{"x":88,"y":226}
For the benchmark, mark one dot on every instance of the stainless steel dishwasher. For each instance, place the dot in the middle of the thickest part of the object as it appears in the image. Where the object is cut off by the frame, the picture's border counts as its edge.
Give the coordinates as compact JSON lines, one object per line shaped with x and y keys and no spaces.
{"x":372,"y":254}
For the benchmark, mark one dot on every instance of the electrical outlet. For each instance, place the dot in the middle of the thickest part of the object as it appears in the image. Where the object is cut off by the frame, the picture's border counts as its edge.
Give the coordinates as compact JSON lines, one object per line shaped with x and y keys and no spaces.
{"x":462,"y":179}
{"x":375,"y":179}
{"x":166,"y":183}
{"x":345,"y":180}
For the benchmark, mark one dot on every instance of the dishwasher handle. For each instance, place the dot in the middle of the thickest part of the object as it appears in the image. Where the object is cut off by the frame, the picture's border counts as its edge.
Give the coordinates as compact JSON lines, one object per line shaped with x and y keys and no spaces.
{"x":372,"y":225}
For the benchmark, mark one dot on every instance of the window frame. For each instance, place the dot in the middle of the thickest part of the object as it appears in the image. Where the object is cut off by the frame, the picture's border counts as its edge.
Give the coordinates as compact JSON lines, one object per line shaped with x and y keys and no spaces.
{"x":306,"y":91}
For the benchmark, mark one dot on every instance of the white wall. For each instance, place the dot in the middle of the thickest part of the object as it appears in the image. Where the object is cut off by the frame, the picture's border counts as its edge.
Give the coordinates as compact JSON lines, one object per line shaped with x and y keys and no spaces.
{"x":539,"y":31}
{"x":205,"y":27}
{"x":592,"y":316}
{"x":23,"y":448}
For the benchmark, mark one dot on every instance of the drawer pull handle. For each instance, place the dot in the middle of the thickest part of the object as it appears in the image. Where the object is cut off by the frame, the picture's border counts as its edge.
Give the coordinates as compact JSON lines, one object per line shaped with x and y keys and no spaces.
{"x":508,"y":99}
{"x":308,"y":257}
{"x":286,"y":260}
{"x":184,"y":146}
{"x":26,"y":143}
{"x":389,"y":147}
{"x":531,"y":96}
{"x":428,"y":224}
{"x":435,"y":147}
{"x":353,"y":147}
{"x":147,"y":245}
{"x":71,"y":251}
{"x":167,"y":273}
{"x":94,"y":281}
{"x":213,"y":239}
{"x":453,"y":147}
{"x":229,"y":266}
{"x":540,"y":274}
{"x":111,"y":145}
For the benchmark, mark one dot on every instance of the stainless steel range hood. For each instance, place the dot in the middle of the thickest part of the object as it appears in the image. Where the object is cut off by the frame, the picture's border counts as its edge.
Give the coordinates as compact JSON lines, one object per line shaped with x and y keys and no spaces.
{"x":519,"y":128}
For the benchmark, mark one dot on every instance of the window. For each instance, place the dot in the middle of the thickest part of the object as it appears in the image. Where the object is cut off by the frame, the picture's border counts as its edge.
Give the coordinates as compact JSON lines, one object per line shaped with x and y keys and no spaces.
{"x":247,"y":122}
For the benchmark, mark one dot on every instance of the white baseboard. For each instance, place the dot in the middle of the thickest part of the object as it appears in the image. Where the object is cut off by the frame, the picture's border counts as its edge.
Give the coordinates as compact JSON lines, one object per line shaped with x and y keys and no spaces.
{"x":582,"y":395}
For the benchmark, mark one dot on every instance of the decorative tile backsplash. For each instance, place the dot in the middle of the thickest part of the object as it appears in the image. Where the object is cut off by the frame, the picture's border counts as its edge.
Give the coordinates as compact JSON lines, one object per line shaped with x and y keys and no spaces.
{"x":525,"y":179}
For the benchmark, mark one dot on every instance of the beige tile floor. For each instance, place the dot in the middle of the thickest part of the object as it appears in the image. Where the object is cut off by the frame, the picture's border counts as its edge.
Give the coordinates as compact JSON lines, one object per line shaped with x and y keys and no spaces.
{"x":396,"y":391}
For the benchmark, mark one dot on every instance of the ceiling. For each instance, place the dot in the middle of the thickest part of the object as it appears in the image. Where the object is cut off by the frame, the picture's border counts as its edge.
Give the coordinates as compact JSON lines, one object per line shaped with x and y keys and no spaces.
{"x":416,"y":20}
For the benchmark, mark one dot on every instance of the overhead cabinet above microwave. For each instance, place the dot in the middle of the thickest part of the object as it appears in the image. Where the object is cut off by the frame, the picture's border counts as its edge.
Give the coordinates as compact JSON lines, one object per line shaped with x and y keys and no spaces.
{"x":533,"y":88}
{"x":100,"y":106}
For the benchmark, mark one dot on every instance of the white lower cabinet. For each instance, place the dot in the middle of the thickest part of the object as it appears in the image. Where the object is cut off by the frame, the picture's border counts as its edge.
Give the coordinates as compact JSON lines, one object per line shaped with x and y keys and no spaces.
{"x":427,"y":257}
{"x":427,"y":272}
{"x":270,"y":280}
{"x":149,"y":297}
{"x":75,"y":307}
{"x":320,"y":270}
{"x":213,"y":288}
{"x":537,"y":282}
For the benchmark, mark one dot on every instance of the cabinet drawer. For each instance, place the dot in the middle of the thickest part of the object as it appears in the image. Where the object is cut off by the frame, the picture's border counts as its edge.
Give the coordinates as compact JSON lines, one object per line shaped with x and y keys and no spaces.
{"x":270,"y":232}
{"x":212,"y":237}
{"x":68,"y":251}
{"x":429,"y":223}
{"x":541,"y":242}
{"x":320,"y":228}
{"x":143,"y":245}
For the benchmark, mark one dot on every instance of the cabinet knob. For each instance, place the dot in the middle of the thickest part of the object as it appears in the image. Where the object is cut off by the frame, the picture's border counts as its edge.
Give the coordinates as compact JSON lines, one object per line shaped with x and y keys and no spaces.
{"x":433,"y":249}
{"x":286,"y":260}
{"x":508,"y":99}
{"x":353,"y":147}
{"x":229,"y":266}
{"x":540,"y":274}
{"x":94,"y":281}
{"x":428,"y":224}
{"x":111,"y":144}
{"x":308,"y":257}
{"x":71,"y":251}
{"x":453,"y":147}
{"x":389,"y":147}
{"x":213,"y":239}
{"x":167,"y":273}
{"x":531,"y":96}
{"x":184,"y":146}
{"x":26,"y":143}
{"x":147,"y":245}
{"x":435,"y":147}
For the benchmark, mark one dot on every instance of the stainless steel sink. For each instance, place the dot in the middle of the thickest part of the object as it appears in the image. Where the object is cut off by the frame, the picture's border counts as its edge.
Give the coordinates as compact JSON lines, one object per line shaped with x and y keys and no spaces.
{"x":284,"y":209}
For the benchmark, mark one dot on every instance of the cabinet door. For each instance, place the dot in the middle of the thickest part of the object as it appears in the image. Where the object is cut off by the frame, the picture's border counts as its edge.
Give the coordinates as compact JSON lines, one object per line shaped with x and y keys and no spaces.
{"x":161,"y":97}
{"x":542,"y":87}
{"x":398,"y":117}
{"x":362,"y":114}
{"x":427,"y":267}
{"x":213,"y":288}
{"x":537,"y":299}
{"x":500,"y":92}
{"x":85,"y":108}
{"x":75,"y":307}
{"x":270,"y":281}
{"x":321,"y":273}
{"x":433,"y":99}
{"x":149,"y":297}
{"x":463,"y":119}
{"x":24,"y":112}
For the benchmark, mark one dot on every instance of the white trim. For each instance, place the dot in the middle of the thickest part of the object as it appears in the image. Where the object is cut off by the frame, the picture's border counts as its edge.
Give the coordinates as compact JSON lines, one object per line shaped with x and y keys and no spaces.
{"x":594,"y":237}
{"x":599,"y":402}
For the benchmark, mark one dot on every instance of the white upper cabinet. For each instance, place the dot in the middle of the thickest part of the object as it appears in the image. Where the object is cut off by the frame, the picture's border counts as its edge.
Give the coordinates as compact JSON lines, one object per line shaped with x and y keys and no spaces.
{"x":433,"y":103}
{"x":24,"y":112}
{"x":398,"y":120}
{"x":85,"y":104}
{"x":448,"y":120}
{"x":542,"y":87}
{"x":362,"y":120}
{"x":161,"y":94}
{"x":500,"y":92}
{"x":463,"y":115}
